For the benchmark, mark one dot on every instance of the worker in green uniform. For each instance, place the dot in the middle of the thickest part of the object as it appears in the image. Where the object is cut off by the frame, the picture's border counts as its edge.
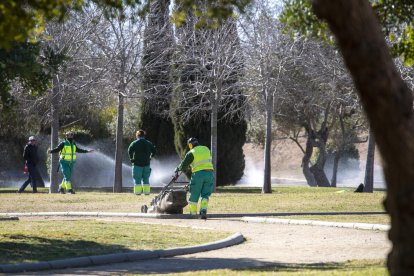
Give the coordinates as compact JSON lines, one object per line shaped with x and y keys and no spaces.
{"x":202,"y":177}
{"x":67,"y":160}
{"x":140,"y":153}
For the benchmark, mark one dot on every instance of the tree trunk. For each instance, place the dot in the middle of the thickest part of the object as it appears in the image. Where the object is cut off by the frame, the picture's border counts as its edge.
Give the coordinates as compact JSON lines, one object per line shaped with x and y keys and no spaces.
{"x":267,"y":181}
{"x":306,"y":161}
{"x":118,"y":150}
{"x":388,"y":103}
{"x":214,"y":115}
{"x":369,"y":167}
{"x":54,"y":137}
{"x":320,"y":176}
{"x":318,"y":168}
{"x":335,"y":167}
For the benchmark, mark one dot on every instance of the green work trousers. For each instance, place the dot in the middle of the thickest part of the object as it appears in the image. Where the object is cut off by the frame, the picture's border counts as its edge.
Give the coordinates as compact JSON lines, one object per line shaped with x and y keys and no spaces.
{"x":141,"y":178}
{"x":201,"y":184}
{"x":66,"y":167}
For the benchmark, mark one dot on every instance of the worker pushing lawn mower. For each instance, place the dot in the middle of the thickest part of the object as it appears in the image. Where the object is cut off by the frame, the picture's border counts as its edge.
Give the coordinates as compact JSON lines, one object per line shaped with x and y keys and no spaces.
{"x":202,"y":176}
{"x":171,"y":200}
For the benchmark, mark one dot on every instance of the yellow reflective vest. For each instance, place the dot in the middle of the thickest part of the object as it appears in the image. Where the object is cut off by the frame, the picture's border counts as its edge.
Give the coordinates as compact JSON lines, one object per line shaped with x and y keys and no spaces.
{"x":202,"y":159}
{"x":68,"y":152}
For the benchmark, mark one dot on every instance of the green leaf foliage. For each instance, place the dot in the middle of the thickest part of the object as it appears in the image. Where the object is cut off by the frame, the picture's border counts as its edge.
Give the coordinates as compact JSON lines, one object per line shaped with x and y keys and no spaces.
{"x":300,"y":20}
{"x":209,"y":13}
{"x":23,"y":21}
{"x":396,"y":18}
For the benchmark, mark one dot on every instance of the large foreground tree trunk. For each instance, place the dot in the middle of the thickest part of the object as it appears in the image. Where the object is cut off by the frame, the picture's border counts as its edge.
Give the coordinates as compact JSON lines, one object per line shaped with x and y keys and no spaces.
{"x":388,"y":103}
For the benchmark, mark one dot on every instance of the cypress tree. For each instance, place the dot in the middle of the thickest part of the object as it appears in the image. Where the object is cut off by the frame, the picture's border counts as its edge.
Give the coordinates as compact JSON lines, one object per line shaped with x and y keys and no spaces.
{"x":192,"y":108}
{"x":156,"y":78}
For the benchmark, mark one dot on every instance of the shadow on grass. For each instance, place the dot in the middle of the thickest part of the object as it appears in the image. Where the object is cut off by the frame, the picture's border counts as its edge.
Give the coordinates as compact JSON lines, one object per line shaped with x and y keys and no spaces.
{"x":311,"y":267}
{"x":26,"y":248}
{"x":240,"y":266}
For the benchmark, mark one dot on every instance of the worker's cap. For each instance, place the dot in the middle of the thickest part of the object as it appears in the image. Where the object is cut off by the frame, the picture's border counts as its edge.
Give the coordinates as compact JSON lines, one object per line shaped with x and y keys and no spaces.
{"x":192,"y":141}
{"x":32,"y":138}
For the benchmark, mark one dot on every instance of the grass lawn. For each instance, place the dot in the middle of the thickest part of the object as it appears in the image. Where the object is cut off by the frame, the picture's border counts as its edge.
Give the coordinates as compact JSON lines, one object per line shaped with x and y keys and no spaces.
{"x":45,"y":239}
{"x":41,"y":240}
{"x":225,"y":200}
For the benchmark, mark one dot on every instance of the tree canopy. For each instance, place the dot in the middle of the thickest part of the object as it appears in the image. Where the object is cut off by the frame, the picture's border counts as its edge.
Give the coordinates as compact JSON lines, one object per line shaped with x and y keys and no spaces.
{"x":23,"y":21}
{"x":396,"y":18}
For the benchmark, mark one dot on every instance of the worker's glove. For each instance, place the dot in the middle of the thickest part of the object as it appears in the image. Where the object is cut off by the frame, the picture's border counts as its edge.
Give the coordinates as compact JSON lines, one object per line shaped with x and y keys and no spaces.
{"x":177,"y":170}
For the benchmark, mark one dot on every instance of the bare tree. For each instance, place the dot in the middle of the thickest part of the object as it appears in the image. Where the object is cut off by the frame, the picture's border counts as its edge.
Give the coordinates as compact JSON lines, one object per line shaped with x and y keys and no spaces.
{"x":312,"y":98}
{"x":267,"y":51}
{"x":72,"y":78}
{"x":120,"y":45}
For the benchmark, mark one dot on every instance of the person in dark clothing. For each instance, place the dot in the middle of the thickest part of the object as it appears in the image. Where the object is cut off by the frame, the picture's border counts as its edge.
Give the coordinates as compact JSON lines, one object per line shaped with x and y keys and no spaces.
{"x":31,"y":159}
{"x":140,"y":153}
{"x":67,"y":159}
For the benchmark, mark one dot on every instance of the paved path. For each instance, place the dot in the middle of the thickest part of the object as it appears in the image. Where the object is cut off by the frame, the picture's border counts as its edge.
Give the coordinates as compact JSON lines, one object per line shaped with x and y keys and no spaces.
{"x":267,"y":244}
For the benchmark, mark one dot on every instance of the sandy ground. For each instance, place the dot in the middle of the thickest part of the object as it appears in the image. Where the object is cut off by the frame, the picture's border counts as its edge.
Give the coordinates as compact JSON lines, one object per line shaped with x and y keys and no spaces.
{"x":266,"y":244}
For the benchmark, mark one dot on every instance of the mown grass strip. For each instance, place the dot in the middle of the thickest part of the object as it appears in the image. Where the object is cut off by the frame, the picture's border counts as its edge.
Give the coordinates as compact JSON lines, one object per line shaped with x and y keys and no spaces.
{"x":226,"y":200}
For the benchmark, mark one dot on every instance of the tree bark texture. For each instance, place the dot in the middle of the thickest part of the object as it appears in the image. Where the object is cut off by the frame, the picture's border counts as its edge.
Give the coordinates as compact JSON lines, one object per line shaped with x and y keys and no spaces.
{"x":318,"y":169}
{"x":335,"y":168}
{"x":118,"y":149}
{"x":267,"y":180}
{"x":388,"y":103}
{"x":310,"y":179}
{"x":214,"y":116}
{"x":369,"y":167}
{"x":54,"y":138}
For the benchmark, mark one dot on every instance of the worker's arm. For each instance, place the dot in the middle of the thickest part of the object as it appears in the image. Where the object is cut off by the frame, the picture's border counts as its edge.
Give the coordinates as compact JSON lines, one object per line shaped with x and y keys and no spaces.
{"x":58,"y":148}
{"x":26,"y":153}
{"x":131,"y":151}
{"x":188,"y":159}
{"x":81,"y":150}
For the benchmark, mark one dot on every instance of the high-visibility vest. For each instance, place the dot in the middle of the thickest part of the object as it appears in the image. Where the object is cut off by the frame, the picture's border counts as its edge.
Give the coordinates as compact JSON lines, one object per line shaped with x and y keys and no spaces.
{"x":68,"y":152}
{"x":202,"y":159}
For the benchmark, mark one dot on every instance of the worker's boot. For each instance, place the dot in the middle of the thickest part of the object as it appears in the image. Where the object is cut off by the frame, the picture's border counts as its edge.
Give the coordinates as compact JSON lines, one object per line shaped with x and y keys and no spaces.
{"x":61,"y":190}
{"x":71,"y":191}
{"x":203,"y":208}
{"x":203,"y":214}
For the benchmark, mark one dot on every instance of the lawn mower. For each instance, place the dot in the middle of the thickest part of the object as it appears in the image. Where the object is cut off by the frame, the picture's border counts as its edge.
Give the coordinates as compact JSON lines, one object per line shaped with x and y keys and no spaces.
{"x":171,"y":200}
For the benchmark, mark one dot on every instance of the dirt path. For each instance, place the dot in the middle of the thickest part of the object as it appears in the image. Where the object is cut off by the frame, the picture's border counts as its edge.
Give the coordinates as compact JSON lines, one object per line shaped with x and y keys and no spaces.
{"x":266,"y":244}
